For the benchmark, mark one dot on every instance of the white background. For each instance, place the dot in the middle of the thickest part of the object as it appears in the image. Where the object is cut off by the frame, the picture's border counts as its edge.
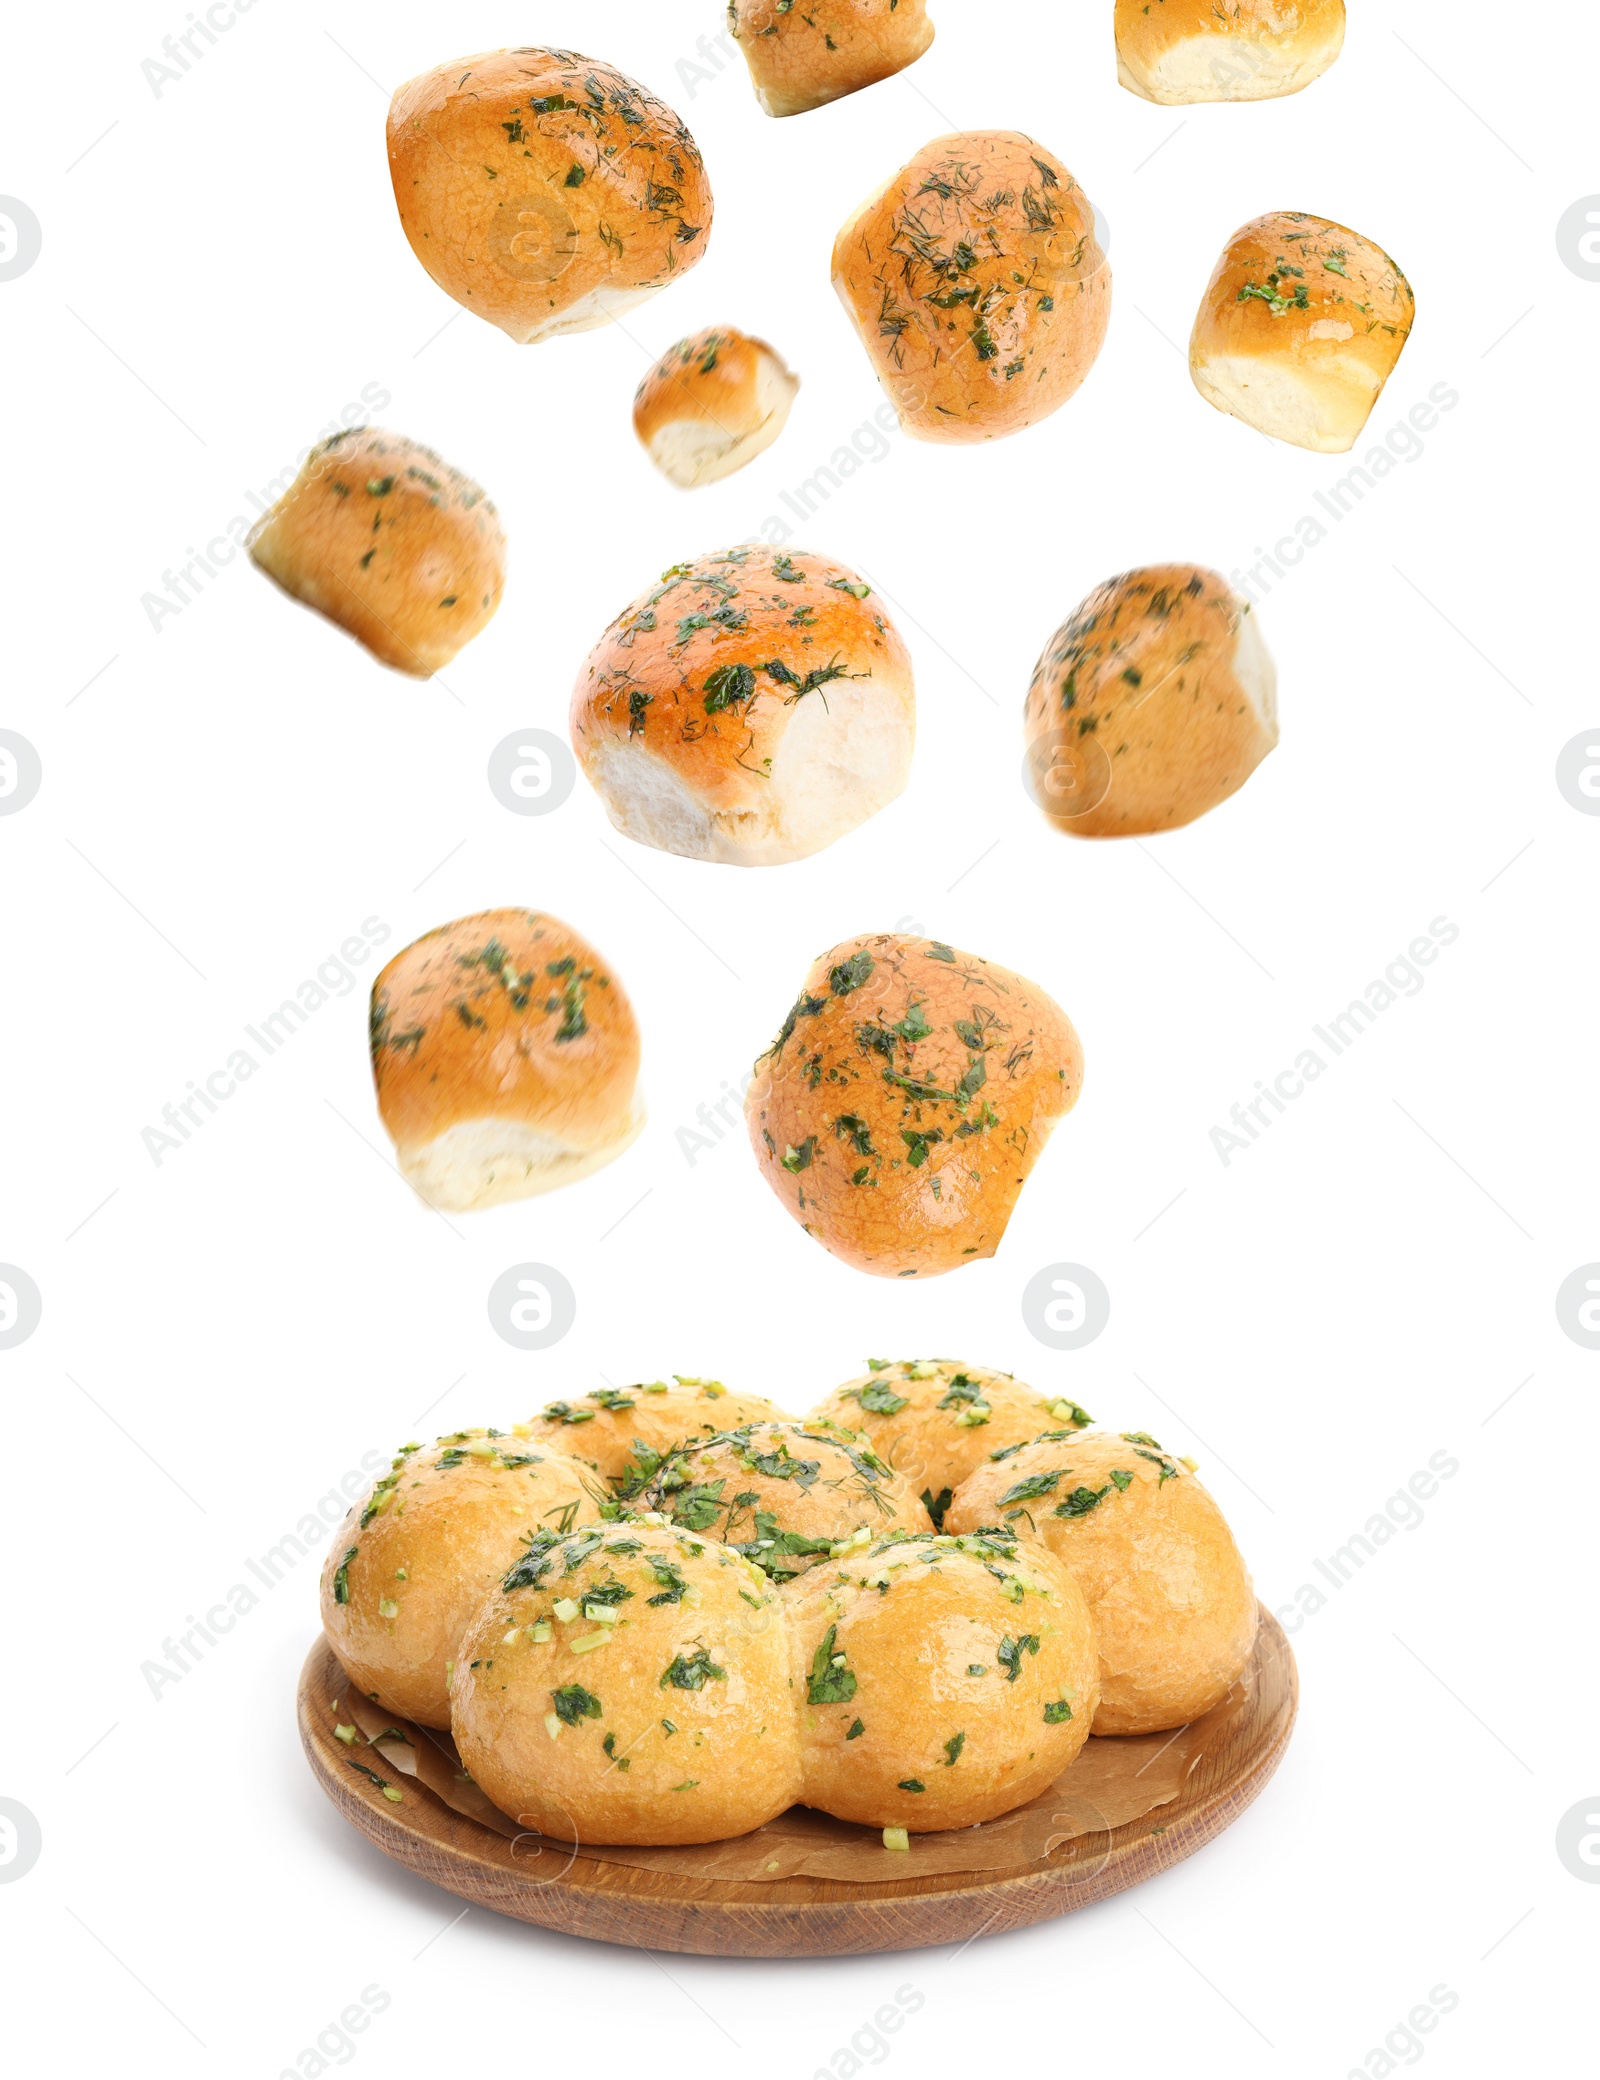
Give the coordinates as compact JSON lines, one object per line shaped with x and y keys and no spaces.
{"x":227,"y":799}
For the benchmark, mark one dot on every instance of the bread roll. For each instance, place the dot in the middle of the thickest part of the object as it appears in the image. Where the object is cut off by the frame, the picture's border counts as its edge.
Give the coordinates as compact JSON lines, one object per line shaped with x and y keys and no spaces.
{"x":783,"y":1494}
{"x":711,"y":404}
{"x":413,"y":1560}
{"x":1300,"y":327}
{"x":630,"y":1685}
{"x":390,"y":543}
{"x":905,"y":1100}
{"x":1170,"y":1597}
{"x":751,"y":708}
{"x":506,"y":1059}
{"x":943,"y":1681}
{"x":1152,"y":704}
{"x":626,"y":1432}
{"x":1181,"y":51}
{"x":544,"y":191}
{"x":977,"y":285}
{"x":935,"y":1421}
{"x":802,"y":57}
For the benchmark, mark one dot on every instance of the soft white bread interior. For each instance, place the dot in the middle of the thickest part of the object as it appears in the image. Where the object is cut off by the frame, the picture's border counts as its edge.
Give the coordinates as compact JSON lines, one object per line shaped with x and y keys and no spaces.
{"x":1177,"y":52}
{"x":485,"y":1162}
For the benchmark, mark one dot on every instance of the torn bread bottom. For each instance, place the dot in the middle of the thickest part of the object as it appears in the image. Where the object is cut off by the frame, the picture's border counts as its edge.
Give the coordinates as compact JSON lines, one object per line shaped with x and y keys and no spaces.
{"x":1325,"y":413}
{"x":485,"y":1162}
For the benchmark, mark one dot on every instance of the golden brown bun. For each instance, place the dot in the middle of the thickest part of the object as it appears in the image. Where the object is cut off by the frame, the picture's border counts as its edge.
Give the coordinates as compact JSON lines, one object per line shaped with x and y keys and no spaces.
{"x":1181,"y":51}
{"x":784,"y":1493}
{"x":711,"y":404}
{"x":977,"y":285}
{"x":942,"y":1681}
{"x":1300,"y":327}
{"x":412,"y":1562}
{"x":389,"y":543}
{"x":506,"y":1059}
{"x":801,"y":57}
{"x":545,"y":191}
{"x":1153,"y":703}
{"x":1171,"y":1599}
{"x":673,"y":1723}
{"x":751,"y":708}
{"x":905,"y":1100}
{"x":625,"y":1432}
{"x":936,"y":1420}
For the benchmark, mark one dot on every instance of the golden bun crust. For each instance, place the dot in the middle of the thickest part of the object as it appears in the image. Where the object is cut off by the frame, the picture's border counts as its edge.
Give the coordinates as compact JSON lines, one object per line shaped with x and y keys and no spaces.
{"x":942,"y":1681}
{"x":1181,"y":51}
{"x":803,"y":57}
{"x":625,"y":1432}
{"x":783,"y":1494}
{"x":391,"y":544}
{"x":977,"y":285}
{"x":937,"y":1420}
{"x":506,"y":1059}
{"x":545,"y":191}
{"x":412,"y":1562}
{"x":905,"y":1100}
{"x":1300,"y":327}
{"x":1152,"y":704}
{"x":712,"y":403}
{"x":751,"y":708}
{"x":675,"y":1722}
{"x":1170,"y":1596}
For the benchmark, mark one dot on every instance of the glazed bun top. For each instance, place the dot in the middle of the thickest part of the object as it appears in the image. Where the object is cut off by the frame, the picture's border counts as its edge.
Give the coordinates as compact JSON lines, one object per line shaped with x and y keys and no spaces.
{"x":935,"y":1420}
{"x":907,"y":1096}
{"x":508,"y":1014}
{"x":1181,"y":51}
{"x":545,"y":191}
{"x":626,"y":1432}
{"x":977,"y":285}
{"x":803,"y":57}
{"x":784,"y":1494}
{"x":413,"y":1560}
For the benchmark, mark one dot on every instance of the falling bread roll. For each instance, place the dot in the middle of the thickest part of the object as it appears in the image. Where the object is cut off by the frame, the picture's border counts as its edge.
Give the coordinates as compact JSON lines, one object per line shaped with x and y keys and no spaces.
{"x":414,"y":1559}
{"x":1152,"y":704}
{"x":977,"y":285}
{"x":1300,"y":327}
{"x":545,"y":191}
{"x":1180,"y":51}
{"x":751,"y":708}
{"x":905,"y":1100}
{"x":943,"y":1681}
{"x":1169,"y":1594}
{"x":711,"y":404}
{"x":802,"y":57}
{"x":506,"y":1059}
{"x":384,"y":539}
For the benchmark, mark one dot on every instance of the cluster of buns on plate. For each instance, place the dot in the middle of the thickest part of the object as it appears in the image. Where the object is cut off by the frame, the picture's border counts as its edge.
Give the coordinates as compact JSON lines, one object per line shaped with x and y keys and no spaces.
{"x":668,"y":1612}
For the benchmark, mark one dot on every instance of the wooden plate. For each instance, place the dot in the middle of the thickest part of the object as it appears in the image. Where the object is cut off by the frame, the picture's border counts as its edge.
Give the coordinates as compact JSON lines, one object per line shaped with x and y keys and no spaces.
{"x":801,"y":1916}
